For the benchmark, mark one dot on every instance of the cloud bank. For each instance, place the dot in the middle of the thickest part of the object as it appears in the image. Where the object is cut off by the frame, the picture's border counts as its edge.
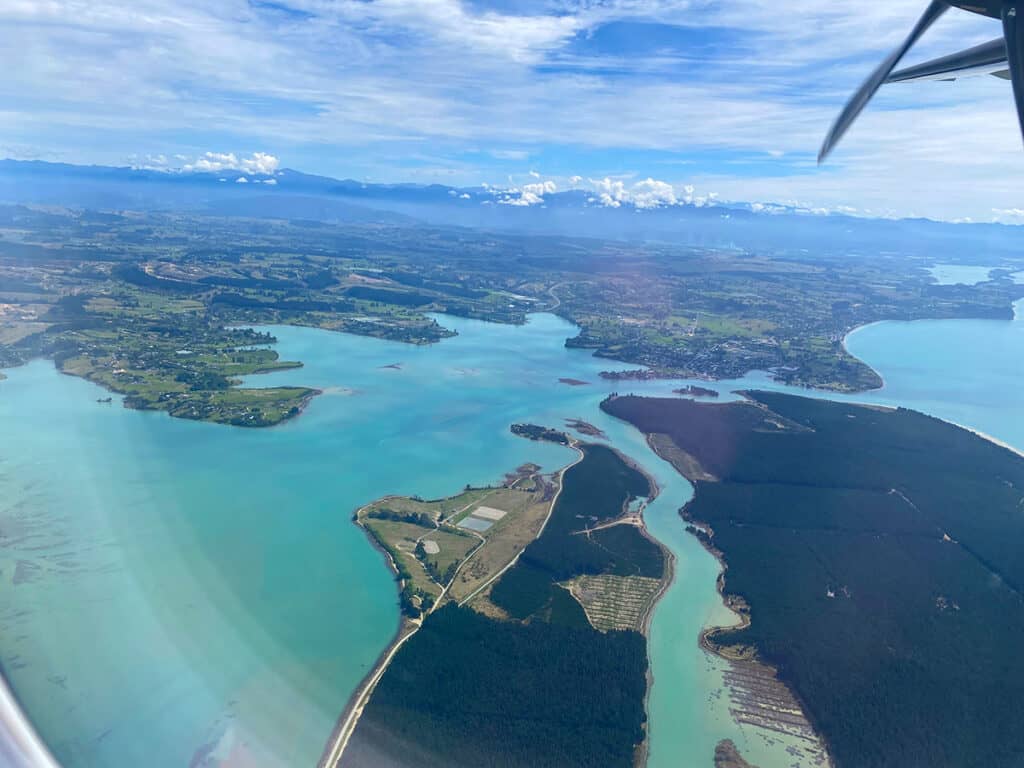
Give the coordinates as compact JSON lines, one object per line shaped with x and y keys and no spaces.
{"x":529,"y":194}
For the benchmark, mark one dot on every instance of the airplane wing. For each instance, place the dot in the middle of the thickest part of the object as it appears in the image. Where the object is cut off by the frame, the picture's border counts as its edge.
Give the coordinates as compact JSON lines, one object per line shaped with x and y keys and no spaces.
{"x":1003,"y":58}
{"x":985,"y":59}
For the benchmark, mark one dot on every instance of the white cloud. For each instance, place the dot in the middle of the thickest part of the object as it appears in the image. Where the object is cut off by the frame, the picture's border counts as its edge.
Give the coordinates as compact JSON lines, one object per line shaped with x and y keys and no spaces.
{"x":609,"y":193}
{"x":649,"y":193}
{"x":367,"y":86}
{"x":211,"y":162}
{"x":156,"y":162}
{"x":1008,"y":215}
{"x":652,"y":194}
{"x":241,"y":180}
{"x":453,"y":24}
{"x":529,"y":194}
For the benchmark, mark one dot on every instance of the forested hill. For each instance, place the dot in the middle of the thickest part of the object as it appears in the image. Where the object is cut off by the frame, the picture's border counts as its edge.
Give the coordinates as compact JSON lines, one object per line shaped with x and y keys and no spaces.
{"x":880,"y":553}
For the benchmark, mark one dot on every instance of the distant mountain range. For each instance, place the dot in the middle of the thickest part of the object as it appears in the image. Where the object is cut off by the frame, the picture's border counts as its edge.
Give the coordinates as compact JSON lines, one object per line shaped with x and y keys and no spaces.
{"x":294,"y":195}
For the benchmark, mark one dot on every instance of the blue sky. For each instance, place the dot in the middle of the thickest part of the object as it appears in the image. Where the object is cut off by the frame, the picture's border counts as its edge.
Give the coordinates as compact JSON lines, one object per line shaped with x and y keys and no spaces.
{"x":726,"y":98}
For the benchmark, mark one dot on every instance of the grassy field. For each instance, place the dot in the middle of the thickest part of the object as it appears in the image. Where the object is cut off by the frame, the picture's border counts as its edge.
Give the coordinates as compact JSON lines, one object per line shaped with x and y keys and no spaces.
{"x":401,"y":539}
{"x":506,"y":538}
{"x":437,"y":509}
{"x":405,"y":527}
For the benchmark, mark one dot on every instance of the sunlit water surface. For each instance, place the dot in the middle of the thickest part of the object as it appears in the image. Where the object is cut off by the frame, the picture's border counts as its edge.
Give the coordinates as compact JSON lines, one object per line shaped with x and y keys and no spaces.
{"x":176,"y":594}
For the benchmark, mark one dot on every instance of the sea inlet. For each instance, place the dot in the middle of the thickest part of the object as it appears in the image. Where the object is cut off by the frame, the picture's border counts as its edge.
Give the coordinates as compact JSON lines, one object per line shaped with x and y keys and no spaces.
{"x":176,"y":593}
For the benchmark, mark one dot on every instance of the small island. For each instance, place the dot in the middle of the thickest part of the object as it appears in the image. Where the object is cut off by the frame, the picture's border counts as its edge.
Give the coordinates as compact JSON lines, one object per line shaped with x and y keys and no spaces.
{"x":635,"y":374}
{"x":574,"y":382}
{"x":533,"y":432}
{"x":693,"y":390}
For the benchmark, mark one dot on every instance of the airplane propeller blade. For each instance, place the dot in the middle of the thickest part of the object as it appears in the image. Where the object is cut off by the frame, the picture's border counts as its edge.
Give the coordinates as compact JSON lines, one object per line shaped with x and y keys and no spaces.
{"x":1013,"y":30}
{"x":863,"y":95}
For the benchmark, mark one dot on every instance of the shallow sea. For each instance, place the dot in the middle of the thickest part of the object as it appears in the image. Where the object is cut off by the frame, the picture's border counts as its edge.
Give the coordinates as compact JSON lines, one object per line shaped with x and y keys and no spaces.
{"x":175,"y":593}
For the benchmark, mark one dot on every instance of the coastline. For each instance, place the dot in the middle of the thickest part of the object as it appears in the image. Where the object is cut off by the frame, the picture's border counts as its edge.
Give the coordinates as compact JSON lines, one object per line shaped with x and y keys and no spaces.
{"x":349,"y":717}
{"x":348,"y":720}
{"x":734,"y":606}
{"x":846,"y":349}
{"x":551,"y":507}
{"x":663,"y":679}
{"x":669,"y":577}
{"x":990,"y":438}
{"x":635,"y":465}
{"x":743,"y":663}
{"x":304,"y":401}
{"x":1017,"y":314}
{"x":667,"y":580}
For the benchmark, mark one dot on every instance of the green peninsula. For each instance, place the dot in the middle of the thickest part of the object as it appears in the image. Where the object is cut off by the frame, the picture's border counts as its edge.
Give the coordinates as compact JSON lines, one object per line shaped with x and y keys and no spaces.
{"x":876,"y":556}
{"x":530,"y":672}
{"x":451,"y":548}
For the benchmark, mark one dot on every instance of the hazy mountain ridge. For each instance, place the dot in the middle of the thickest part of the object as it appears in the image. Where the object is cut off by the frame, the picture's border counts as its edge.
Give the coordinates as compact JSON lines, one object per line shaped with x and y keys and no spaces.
{"x":296,"y":195}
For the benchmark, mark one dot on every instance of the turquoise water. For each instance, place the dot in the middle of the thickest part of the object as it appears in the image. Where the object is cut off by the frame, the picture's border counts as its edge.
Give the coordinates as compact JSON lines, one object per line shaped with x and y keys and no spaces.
{"x":176,"y":593}
{"x":970,"y":372}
